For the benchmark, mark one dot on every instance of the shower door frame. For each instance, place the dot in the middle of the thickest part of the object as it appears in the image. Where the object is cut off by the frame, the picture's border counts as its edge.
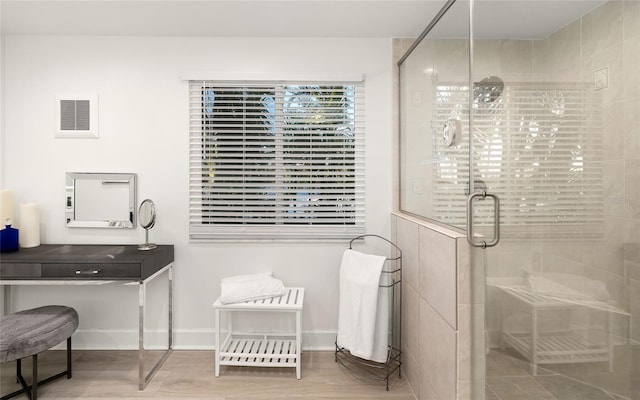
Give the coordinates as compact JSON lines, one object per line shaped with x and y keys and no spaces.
{"x":477,"y":247}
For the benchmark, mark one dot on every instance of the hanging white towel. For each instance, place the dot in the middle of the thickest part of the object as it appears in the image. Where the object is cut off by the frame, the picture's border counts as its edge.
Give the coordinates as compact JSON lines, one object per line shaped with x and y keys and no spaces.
{"x":359,"y":329}
{"x":382,"y":331}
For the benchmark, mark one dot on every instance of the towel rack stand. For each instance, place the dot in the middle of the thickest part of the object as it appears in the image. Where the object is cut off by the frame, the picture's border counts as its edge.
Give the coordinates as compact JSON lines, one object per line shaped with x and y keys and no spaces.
{"x":391,"y":280}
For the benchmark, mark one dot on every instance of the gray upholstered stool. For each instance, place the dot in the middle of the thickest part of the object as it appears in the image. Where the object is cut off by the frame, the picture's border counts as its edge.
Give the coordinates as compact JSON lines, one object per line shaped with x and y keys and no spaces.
{"x":29,"y":332}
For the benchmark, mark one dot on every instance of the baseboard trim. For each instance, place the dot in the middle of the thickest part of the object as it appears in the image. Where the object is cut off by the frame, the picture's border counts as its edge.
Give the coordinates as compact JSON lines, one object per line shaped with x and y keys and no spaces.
{"x":191,"y":339}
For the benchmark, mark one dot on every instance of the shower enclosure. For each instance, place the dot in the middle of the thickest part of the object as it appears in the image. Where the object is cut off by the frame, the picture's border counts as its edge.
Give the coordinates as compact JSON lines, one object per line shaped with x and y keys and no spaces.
{"x":520,"y":125}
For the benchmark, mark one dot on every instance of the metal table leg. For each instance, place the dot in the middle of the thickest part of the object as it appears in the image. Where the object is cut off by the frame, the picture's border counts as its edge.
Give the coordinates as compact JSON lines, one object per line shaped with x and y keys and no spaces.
{"x":142,"y":379}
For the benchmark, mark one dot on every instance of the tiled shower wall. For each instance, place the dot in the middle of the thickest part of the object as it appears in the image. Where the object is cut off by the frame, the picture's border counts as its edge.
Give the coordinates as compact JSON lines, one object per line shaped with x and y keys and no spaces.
{"x":601,"y":49}
{"x":607,"y":42}
{"x":437,"y":301}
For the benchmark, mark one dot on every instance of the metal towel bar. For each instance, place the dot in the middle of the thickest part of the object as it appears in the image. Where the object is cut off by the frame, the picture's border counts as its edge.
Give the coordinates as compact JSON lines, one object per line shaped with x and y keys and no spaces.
{"x":370,"y":369}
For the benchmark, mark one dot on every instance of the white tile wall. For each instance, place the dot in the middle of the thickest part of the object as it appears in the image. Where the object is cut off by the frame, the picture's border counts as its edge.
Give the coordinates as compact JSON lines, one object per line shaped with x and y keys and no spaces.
{"x":437,"y":310}
{"x":438,"y":273}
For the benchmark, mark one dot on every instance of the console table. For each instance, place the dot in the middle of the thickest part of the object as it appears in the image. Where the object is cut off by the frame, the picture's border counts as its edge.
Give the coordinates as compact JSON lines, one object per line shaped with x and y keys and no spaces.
{"x":80,"y":264}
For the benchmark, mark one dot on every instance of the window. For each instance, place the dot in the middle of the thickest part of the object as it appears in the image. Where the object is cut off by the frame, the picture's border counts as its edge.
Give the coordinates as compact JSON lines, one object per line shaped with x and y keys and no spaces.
{"x":276,"y":160}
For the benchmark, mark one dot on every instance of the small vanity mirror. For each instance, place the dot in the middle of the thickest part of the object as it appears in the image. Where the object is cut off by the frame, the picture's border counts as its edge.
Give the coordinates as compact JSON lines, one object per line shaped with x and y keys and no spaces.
{"x":100,"y":200}
{"x":147,"y":219}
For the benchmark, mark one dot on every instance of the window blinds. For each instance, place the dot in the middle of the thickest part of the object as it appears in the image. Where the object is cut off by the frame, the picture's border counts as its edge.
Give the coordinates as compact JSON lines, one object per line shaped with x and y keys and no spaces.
{"x":274,"y":160}
{"x":538,"y":147}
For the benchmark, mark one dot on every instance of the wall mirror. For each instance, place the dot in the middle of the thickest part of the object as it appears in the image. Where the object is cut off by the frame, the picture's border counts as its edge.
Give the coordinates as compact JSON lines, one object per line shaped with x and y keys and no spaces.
{"x":100,"y":200}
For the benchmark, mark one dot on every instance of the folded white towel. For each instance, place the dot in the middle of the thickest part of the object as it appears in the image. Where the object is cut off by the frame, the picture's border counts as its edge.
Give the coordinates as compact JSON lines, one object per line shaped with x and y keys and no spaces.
{"x":239,"y":288}
{"x":362,"y":328}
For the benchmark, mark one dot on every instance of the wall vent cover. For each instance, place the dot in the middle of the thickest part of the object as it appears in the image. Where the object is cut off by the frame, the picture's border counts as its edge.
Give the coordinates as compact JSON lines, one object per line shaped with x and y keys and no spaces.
{"x":77,"y":116}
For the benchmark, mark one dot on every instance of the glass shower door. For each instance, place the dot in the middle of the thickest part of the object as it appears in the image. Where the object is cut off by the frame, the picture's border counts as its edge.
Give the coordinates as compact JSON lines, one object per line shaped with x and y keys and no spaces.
{"x":434,"y":114}
{"x":561,"y":291}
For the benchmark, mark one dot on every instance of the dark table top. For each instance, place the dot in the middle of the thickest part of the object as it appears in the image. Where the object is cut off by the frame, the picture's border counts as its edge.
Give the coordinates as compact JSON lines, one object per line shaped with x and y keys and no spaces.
{"x":59,"y":260}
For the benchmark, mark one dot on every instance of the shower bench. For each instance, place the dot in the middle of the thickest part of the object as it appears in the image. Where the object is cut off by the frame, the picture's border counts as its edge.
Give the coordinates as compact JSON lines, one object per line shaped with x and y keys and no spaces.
{"x":560,"y":345}
{"x":260,"y":350}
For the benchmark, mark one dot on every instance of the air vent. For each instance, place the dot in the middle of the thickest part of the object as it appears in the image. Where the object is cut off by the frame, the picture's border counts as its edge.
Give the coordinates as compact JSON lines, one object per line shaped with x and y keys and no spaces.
{"x":76,"y":116}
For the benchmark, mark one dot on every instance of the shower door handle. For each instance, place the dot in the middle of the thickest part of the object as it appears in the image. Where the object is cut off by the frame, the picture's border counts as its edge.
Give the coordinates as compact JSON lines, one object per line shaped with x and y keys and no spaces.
{"x":496,"y":220}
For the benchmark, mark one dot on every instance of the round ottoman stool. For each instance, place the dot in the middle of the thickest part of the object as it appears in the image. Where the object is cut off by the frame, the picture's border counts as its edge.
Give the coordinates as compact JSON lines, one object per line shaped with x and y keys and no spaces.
{"x":30,"y":332}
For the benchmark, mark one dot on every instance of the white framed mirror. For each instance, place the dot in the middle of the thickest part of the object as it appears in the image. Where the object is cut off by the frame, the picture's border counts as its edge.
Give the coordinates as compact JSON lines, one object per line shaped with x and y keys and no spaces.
{"x":100,"y":200}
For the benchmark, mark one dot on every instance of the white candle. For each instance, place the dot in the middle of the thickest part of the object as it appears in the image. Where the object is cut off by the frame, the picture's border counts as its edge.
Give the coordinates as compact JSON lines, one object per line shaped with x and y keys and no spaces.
{"x":29,"y":235}
{"x":6,"y":208}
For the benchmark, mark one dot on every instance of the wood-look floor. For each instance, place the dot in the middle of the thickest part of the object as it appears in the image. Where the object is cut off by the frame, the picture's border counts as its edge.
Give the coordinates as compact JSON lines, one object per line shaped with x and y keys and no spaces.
{"x":190,"y":375}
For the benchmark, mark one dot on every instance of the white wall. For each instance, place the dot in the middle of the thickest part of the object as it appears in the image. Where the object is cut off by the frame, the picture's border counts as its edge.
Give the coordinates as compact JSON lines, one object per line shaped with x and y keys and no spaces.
{"x":143,"y":123}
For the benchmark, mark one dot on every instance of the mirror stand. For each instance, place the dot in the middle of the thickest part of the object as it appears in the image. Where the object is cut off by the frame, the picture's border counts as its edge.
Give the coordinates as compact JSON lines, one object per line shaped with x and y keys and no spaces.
{"x":147,"y":219}
{"x":147,"y":245}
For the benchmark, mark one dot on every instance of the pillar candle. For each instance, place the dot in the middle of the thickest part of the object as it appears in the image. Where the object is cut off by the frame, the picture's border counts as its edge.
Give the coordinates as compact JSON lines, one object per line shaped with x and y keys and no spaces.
{"x":6,"y":208}
{"x":29,"y":225}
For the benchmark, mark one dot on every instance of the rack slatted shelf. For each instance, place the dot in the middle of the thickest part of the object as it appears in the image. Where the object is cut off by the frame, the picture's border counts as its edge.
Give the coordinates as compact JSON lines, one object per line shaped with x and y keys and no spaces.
{"x":261,"y":350}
